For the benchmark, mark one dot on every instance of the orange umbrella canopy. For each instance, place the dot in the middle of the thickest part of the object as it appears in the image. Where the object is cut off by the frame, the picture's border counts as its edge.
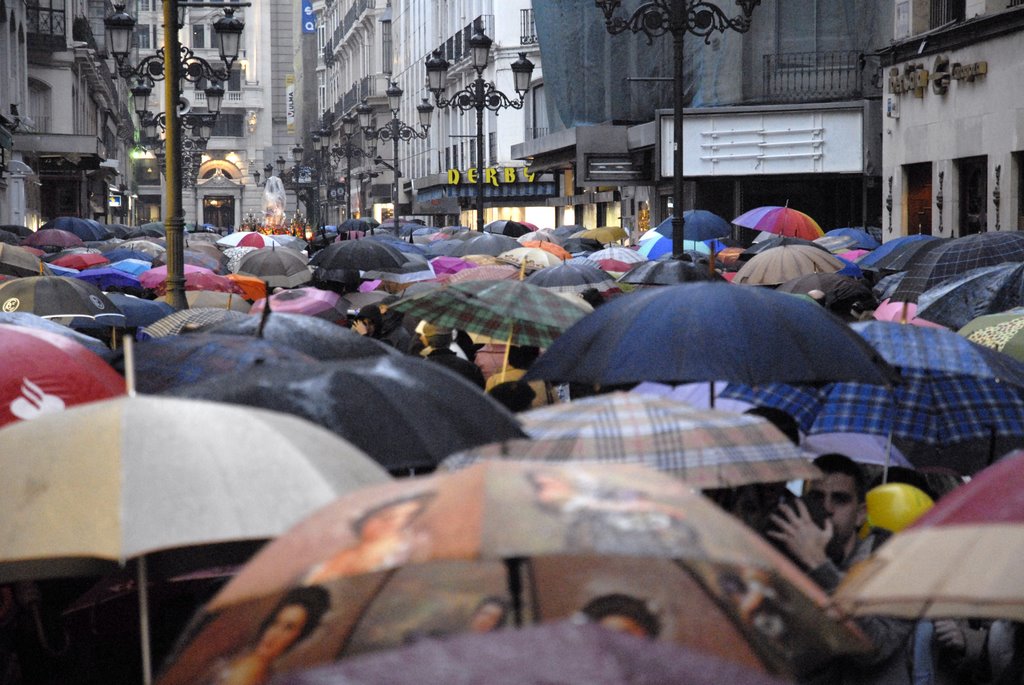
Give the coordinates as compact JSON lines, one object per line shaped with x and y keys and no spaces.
{"x":548,"y":246}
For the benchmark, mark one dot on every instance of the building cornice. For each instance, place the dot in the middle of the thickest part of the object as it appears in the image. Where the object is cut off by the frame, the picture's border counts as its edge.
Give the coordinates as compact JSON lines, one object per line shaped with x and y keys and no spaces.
{"x":960,"y":35}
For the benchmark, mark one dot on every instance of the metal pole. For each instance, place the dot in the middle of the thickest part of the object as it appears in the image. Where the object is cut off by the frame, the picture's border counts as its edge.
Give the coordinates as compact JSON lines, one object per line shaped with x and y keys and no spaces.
{"x":394,"y":148}
{"x":678,"y":31}
{"x":479,"y":152}
{"x":175,"y":221}
{"x":348,"y":181}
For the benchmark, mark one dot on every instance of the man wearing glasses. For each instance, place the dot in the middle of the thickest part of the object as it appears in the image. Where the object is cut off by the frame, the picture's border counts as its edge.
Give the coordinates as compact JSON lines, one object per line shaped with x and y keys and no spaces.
{"x":821,"y":534}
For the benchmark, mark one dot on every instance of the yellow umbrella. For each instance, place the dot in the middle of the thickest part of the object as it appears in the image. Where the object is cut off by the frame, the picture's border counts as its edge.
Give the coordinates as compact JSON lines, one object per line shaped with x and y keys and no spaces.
{"x":604,"y":234}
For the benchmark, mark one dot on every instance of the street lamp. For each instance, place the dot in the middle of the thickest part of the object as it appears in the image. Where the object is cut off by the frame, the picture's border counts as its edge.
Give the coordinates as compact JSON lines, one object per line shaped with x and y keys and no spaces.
{"x":228,"y":29}
{"x":678,"y":17}
{"x":479,"y":95}
{"x":395,"y":130}
{"x":348,"y":151}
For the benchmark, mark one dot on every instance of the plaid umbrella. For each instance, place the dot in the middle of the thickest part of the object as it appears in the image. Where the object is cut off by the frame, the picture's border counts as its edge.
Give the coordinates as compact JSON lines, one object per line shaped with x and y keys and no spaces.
{"x":958,"y":404}
{"x":988,"y":290}
{"x":929,"y":268}
{"x":281,"y":268}
{"x":706,"y":448}
{"x":893,"y":249}
{"x":189,"y":320}
{"x":527,"y":314}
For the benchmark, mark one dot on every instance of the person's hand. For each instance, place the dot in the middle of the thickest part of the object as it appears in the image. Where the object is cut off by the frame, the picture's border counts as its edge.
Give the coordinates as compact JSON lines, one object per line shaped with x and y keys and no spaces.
{"x":801,"y":536}
{"x":359,"y":326}
{"x":950,"y":635}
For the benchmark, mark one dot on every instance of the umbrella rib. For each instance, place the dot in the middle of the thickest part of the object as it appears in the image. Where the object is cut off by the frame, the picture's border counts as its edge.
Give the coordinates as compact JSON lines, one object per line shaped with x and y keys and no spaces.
{"x":386,"y":576}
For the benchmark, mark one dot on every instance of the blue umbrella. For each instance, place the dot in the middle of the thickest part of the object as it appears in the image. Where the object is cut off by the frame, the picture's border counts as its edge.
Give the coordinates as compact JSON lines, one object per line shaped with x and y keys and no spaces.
{"x":863,"y":239}
{"x":698,"y":224}
{"x":118,"y":254}
{"x":988,"y":290}
{"x":138,"y":312}
{"x":889,"y":247}
{"x":86,"y":229}
{"x":659,"y":246}
{"x":107,"y":277}
{"x":132,"y":266}
{"x":706,"y":332}
{"x":851,"y":269}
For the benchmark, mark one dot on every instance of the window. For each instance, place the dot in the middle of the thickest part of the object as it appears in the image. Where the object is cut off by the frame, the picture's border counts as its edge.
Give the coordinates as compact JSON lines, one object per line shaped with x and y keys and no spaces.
{"x":230,"y":124}
{"x":199,"y":36}
{"x":142,"y":37}
{"x":235,"y":78}
{"x":944,"y":11}
{"x":815,"y":25}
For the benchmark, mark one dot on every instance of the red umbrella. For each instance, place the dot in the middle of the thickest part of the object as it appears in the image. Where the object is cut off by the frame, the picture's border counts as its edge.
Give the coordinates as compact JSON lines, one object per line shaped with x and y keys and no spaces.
{"x":780,"y":221}
{"x":81,"y":261}
{"x":53,"y":238}
{"x":196,"y":278}
{"x":44,"y":372}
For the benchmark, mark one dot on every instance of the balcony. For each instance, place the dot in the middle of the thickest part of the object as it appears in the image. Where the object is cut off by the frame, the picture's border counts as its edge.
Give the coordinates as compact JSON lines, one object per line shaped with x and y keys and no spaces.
{"x":364,"y":88}
{"x":817,"y":76}
{"x":47,"y":27}
{"x":456,"y":48}
{"x":353,"y":15}
{"x":527,"y":28}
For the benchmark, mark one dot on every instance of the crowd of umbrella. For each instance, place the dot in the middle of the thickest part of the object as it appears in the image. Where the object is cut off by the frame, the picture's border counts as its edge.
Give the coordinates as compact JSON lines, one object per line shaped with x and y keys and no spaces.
{"x":256,"y":416}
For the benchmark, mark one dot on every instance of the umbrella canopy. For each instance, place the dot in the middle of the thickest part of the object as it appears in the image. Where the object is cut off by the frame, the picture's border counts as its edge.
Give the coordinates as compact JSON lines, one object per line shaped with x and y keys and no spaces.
{"x":106,"y":278}
{"x":1001,"y":332}
{"x":892,"y":248}
{"x":86,"y":229}
{"x":325,"y":304}
{"x":251,"y":239}
{"x":698,"y":224}
{"x":581,"y":245}
{"x":159,"y":473}
{"x":784,"y":263}
{"x":234,"y":256}
{"x":138,"y":312}
{"x":901,"y":312}
{"x":582,"y":535}
{"x":450,"y":265}
{"x":483,"y":244}
{"x":706,"y":448}
{"x":617,"y":259}
{"x":216,"y":264}
{"x":836,"y":243}
{"x":957,"y":406}
{"x":863,"y":240}
{"x":119,"y":253}
{"x":29,"y":320}
{"x":553,"y":248}
{"x":563,"y":651}
{"x":149,"y":247}
{"x":53,"y":240}
{"x":491,"y":272}
{"x":9,"y":238}
{"x":189,"y":320}
{"x":213,"y":298}
{"x":17,"y":261}
{"x":44,"y":373}
{"x":509,"y":228}
{"x":310,"y":335}
{"x":180,"y":360}
{"x":841,"y":292}
{"x":523,"y":313}
{"x":59,"y":297}
{"x":533,"y":257}
{"x":544,"y":235}
{"x":343,"y":262}
{"x":196,"y":278}
{"x":356,"y":225}
{"x":960,"y":559}
{"x":768,"y":241}
{"x":406,"y":413}
{"x":279,"y":268}
{"x":710,"y":331}
{"x":955,"y":257}
{"x":986,"y":290}
{"x":17,"y":229}
{"x":657,"y":245}
{"x":780,"y":221}
{"x":82,"y":260}
{"x":603,"y":234}
{"x":572,"y":278}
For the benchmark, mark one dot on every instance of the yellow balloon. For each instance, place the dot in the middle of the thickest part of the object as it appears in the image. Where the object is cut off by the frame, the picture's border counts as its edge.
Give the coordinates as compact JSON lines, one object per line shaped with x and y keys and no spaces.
{"x":894,"y":506}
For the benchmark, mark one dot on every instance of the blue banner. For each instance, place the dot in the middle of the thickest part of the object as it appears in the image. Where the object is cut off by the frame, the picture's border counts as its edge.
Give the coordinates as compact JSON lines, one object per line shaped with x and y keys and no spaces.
{"x":308,"y":18}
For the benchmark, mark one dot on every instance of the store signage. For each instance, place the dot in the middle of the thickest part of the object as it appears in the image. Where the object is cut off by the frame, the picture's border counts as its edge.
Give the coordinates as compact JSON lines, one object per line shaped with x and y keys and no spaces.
{"x":915,"y":77}
{"x":494,"y":176}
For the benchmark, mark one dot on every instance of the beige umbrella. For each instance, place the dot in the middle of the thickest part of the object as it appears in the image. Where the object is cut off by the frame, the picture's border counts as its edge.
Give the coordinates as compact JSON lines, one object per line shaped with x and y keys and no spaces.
{"x":784,"y":263}
{"x":217,"y":300}
{"x":97,"y":484}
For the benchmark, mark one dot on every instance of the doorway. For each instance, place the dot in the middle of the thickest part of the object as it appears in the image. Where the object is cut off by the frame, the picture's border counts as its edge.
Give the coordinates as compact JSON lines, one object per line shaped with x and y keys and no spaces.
{"x":919,"y":198}
{"x":219,"y":211}
{"x":973,"y":215}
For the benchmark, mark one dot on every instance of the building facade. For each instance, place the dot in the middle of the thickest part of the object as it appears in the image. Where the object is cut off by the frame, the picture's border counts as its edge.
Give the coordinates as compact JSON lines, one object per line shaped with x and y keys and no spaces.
{"x":953,"y":120}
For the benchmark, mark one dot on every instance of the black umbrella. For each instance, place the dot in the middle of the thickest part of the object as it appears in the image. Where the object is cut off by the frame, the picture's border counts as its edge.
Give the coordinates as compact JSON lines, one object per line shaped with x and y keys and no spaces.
{"x":60,"y":298}
{"x":17,"y":261}
{"x":707,"y":332}
{"x":405,"y":412}
{"x":576,"y":245}
{"x":669,"y":272}
{"x":165,"y":363}
{"x":17,"y":229}
{"x":956,"y":257}
{"x":508,"y":227}
{"x":310,"y":335}
{"x":282,"y":268}
{"x":342,"y":262}
{"x":484,"y":243}
{"x":775,"y":241}
{"x":573,"y":278}
{"x":842,"y":293}
{"x":86,"y":229}
{"x":9,"y":238}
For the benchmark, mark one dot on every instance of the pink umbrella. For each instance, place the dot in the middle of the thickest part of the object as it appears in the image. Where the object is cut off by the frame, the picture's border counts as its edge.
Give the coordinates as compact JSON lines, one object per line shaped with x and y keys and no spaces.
{"x":324,"y":304}
{"x":853,"y":255}
{"x":780,"y":221}
{"x":53,"y":238}
{"x":901,"y":312}
{"x":450,"y":265}
{"x":196,"y":278}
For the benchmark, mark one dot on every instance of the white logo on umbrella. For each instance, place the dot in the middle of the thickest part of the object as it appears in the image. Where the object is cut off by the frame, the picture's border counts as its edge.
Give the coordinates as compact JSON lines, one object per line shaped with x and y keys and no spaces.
{"x":34,"y":401}
{"x":12,"y":304}
{"x":97,"y":302}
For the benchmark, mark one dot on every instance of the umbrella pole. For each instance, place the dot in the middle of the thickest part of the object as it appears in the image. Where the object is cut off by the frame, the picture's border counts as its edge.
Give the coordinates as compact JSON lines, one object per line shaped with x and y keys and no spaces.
{"x":508,"y":349}
{"x":711,"y":394}
{"x":147,"y":667}
{"x":514,"y":566}
{"x":129,"y":366}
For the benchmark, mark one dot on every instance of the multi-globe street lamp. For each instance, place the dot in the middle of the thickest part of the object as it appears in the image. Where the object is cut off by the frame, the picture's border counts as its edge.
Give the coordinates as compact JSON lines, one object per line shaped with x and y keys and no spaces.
{"x":480,"y":95}
{"x":678,"y":17}
{"x":395,"y":130}
{"x":120,"y":28}
{"x":348,"y":151}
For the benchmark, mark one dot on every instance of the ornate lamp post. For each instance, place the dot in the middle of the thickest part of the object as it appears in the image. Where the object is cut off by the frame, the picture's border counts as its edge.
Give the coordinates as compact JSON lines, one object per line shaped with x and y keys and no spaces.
{"x":348,"y":151}
{"x":678,"y":17}
{"x":480,"y":95}
{"x":395,"y":130}
{"x":228,"y":30}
